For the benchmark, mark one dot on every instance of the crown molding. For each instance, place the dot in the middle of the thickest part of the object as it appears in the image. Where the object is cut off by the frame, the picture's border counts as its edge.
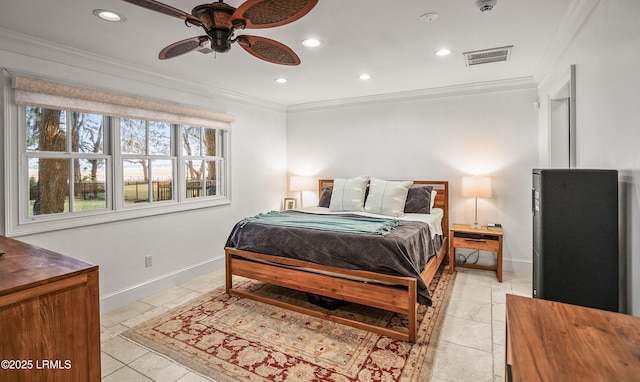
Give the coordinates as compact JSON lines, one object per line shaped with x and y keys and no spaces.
{"x":39,"y":49}
{"x":514,"y":84}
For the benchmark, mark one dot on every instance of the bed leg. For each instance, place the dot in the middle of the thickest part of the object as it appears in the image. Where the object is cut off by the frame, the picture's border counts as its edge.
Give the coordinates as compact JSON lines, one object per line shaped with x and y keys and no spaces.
{"x":227,"y":271}
{"x":413,"y":325}
{"x":413,"y":313}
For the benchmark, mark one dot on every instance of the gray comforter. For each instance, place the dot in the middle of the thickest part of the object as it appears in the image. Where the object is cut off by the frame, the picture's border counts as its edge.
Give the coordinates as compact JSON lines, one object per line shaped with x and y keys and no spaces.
{"x":403,"y":252}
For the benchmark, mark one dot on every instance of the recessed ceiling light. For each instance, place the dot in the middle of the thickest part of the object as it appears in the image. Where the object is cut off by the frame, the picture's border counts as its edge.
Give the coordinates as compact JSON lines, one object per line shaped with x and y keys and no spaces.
{"x":311,"y":42}
{"x":443,"y":52}
{"x":108,"y":15}
{"x":364,"y":76}
{"x":281,"y":80}
{"x":429,"y":17}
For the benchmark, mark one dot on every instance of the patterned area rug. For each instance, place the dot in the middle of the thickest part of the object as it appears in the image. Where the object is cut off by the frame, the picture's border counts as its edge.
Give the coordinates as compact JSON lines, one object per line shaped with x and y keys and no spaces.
{"x":236,"y":339}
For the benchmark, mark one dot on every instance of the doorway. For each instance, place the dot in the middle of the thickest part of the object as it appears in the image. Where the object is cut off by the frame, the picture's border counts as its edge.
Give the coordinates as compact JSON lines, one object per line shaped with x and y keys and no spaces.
{"x":562,"y":124}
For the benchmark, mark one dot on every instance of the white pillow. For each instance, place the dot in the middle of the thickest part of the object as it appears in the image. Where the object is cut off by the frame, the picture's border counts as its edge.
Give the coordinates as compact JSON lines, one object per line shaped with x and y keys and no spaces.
{"x":348,"y":194}
{"x":386,"y":197}
{"x":433,"y":198}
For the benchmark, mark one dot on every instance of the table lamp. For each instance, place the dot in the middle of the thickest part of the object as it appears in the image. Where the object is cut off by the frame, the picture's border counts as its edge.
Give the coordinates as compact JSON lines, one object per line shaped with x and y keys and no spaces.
{"x":476,"y":187}
{"x":301,"y":183}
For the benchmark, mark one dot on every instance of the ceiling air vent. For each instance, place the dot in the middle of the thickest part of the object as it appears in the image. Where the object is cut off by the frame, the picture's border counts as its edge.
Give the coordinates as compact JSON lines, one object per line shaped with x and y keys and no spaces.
{"x":488,"y":55}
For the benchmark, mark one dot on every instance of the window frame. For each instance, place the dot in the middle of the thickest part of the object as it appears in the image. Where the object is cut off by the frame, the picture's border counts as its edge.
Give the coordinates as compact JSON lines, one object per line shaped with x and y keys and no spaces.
{"x":219,"y":158}
{"x":150,"y":157}
{"x":68,"y":154}
{"x":16,"y":185}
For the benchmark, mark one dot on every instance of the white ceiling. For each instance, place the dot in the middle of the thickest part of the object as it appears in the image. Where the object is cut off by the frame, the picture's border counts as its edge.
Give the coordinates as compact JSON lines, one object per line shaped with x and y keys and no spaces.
{"x":383,"y":38}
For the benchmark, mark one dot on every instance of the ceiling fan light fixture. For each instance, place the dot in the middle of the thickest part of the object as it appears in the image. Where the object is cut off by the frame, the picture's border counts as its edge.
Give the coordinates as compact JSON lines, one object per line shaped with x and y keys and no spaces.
{"x":108,"y":15}
{"x":443,"y":52}
{"x":311,"y":42}
{"x":214,"y":15}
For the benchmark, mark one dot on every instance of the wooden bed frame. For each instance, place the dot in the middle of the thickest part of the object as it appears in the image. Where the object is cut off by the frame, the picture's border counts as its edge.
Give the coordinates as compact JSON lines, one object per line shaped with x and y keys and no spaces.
{"x":388,"y":297}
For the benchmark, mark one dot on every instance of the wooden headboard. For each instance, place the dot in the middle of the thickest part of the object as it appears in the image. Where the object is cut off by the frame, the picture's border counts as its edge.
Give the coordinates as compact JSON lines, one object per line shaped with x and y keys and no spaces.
{"x":442,"y":197}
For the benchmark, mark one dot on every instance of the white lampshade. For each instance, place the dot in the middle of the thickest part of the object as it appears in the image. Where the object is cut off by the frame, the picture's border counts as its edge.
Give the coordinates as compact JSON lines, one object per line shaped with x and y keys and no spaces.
{"x":301,"y":183}
{"x":476,"y":187}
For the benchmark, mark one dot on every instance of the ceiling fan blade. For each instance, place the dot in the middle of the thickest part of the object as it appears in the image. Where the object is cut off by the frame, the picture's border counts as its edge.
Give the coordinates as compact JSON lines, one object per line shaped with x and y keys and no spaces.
{"x":182,"y":47}
{"x":167,"y":10}
{"x":268,"y":50}
{"x":272,"y":13}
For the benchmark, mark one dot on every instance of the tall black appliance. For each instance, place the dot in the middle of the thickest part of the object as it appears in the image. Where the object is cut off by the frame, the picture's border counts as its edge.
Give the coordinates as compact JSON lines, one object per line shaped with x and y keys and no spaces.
{"x":575,"y":237}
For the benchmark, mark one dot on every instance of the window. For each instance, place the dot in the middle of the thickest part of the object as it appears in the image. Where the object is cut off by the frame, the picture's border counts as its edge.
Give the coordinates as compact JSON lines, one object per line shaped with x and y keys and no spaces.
{"x":66,"y":161}
{"x":147,"y":161}
{"x":81,"y":156}
{"x":202,"y":163}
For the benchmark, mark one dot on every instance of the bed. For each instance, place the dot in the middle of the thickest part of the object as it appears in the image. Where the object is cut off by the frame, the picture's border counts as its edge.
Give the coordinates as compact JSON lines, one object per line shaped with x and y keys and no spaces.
{"x":398,"y":290}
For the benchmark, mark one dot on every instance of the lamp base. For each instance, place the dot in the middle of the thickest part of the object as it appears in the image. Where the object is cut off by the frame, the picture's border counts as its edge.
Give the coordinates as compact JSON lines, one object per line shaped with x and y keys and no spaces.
{"x":475,"y":225}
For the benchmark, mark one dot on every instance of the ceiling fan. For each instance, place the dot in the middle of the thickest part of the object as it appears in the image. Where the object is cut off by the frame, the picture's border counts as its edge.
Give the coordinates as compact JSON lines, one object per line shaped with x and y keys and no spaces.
{"x":220,"y":21}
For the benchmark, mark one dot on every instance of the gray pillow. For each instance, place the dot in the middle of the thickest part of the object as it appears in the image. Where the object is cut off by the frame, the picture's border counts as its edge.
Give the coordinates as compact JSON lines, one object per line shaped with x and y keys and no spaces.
{"x":418,"y":200}
{"x":325,"y":198}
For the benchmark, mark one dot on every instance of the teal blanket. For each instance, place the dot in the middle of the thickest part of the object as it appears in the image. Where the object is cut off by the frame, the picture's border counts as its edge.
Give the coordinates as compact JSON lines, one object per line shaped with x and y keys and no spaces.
{"x":339,"y":223}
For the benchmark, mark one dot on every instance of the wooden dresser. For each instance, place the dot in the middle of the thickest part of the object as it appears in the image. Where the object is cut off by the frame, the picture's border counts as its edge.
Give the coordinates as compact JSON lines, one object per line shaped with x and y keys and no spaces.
{"x":49,"y":316}
{"x":553,"y":341}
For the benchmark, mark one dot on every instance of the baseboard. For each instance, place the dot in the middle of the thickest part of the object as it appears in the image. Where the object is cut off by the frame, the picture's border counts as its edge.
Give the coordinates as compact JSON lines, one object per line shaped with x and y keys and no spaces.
{"x":135,"y":292}
{"x":517,"y":266}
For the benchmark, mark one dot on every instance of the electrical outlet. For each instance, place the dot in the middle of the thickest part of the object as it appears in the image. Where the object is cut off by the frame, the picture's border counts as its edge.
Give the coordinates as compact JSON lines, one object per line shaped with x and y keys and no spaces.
{"x":148,"y":261}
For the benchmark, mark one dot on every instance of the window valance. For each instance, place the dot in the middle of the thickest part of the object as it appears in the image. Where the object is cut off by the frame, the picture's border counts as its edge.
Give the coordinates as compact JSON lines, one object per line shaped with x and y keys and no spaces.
{"x":41,"y":93}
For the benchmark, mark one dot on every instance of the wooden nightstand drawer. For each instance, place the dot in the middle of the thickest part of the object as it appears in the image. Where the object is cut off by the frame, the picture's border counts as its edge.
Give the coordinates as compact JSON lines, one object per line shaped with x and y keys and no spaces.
{"x":482,"y":244}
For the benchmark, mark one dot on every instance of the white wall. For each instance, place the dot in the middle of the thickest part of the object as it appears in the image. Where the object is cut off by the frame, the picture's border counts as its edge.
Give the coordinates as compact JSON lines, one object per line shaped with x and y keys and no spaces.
{"x":432,"y":136}
{"x":605,"y":52}
{"x":183,"y":245}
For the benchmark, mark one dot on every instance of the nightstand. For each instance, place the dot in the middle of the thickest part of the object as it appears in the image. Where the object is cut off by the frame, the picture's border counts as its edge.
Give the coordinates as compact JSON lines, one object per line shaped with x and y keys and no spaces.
{"x":481,"y":239}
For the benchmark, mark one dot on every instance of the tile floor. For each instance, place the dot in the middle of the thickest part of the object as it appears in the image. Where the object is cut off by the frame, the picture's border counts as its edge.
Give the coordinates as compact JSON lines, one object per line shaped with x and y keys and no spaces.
{"x":470,"y":348}
{"x":471,"y":344}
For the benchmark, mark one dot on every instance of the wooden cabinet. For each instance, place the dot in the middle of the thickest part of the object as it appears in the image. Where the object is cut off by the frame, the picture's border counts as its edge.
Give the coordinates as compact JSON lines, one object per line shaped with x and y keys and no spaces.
{"x":553,"y":341}
{"x":481,"y":239}
{"x":49,"y":316}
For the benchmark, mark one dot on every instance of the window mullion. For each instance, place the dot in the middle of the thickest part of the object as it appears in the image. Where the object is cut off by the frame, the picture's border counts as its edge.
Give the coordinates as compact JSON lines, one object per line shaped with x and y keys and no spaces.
{"x":71,"y":183}
{"x":150,"y":179}
{"x":146,"y":138}
{"x":147,"y":145}
{"x":179,"y":184}
{"x":205,"y":174}
{"x":68,"y":132}
{"x":201,"y":134}
{"x":69,"y":122}
{"x":117,"y":192}
{"x":109,"y":181}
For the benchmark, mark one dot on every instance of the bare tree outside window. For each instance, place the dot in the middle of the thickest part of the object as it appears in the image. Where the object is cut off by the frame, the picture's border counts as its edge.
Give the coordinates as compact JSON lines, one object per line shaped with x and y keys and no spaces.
{"x":200,"y":148}
{"x":51,"y":185}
